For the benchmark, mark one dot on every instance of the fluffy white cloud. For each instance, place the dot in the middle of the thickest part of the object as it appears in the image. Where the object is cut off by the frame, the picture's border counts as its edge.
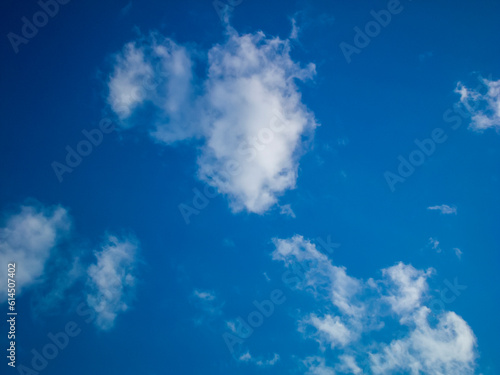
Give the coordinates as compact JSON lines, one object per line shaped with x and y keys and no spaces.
{"x":37,"y":239}
{"x":444,"y":209}
{"x":408,"y":286}
{"x":447,"y":348}
{"x":484,"y":108}
{"x":331,"y":329}
{"x":155,"y":71}
{"x":256,"y":121}
{"x":27,"y":239}
{"x":111,"y":280}
{"x":247,"y":110}
{"x":126,"y":89}
{"x":351,"y":308}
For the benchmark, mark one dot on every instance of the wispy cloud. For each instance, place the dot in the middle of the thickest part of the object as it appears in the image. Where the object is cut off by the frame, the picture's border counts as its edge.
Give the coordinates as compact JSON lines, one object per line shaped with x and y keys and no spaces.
{"x":27,"y":239}
{"x":208,"y":303}
{"x":112,"y":279}
{"x":484,"y":108}
{"x":204,"y":295}
{"x":447,"y":348}
{"x":408,"y":286}
{"x":247,"y":111}
{"x":247,"y":357}
{"x":444,"y":209}
{"x":317,"y":366}
{"x":287,"y":210}
{"x":434,"y":244}
{"x":38,"y":239}
{"x":458,"y":252}
{"x":348,"y":309}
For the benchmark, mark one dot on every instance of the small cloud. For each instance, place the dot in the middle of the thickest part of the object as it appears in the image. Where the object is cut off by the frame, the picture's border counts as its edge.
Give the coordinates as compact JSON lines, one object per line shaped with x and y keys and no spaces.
{"x":458,"y":252}
{"x":286,"y":209}
{"x":294,"y":34}
{"x":434,"y":244}
{"x":484,"y":108}
{"x":269,"y":362}
{"x":205,"y":296}
{"x":444,"y":209}
{"x":207,"y":302}
{"x":29,"y":238}
{"x":111,"y":280}
{"x":247,"y":357}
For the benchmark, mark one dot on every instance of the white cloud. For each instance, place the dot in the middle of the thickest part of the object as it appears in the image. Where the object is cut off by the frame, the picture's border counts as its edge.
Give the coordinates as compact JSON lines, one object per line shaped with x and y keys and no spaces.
{"x":207,"y":301}
{"x":28,"y":239}
{"x":247,"y":357}
{"x":286,"y":209}
{"x":204,"y":295}
{"x":320,"y":273}
{"x":448,"y":347}
{"x":333,"y":283}
{"x":434,"y":244}
{"x":444,"y":209}
{"x":458,"y":252}
{"x":158,"y":72}
{"x":332,"y":330}
{"x":484,"y":108}
{"x":294,"y":33}
{"x":111,"y":281}
{"x":407,"y":288}
{"x":316,"y":366}
{"x":348,"y":365}
{"x":37,"y":239}
{"x":248,"y":110}
{"x":125,"y":86}
{"x":256,"y":121}
{"x":269,"y":362}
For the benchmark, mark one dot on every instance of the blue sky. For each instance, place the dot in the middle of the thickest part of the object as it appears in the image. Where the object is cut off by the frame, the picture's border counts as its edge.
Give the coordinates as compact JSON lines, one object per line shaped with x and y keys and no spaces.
{"x":176,"y":172}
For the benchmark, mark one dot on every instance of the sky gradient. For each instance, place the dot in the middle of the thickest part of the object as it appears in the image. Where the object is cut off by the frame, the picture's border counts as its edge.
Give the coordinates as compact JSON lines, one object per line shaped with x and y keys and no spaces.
{"x":248,"y":187}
